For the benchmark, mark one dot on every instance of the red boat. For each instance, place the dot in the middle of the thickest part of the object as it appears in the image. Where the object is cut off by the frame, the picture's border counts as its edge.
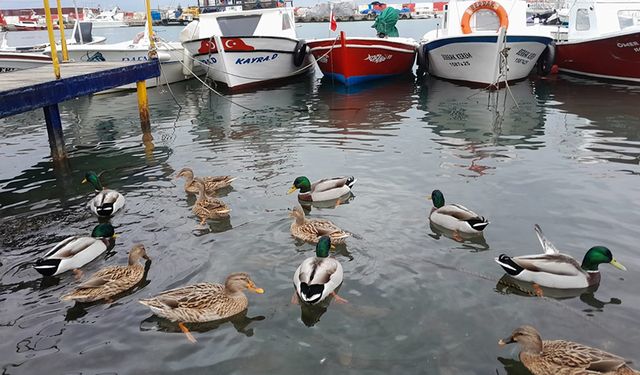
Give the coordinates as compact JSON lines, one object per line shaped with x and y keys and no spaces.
{"x":355,"y":60}
{"x":603,"y":40}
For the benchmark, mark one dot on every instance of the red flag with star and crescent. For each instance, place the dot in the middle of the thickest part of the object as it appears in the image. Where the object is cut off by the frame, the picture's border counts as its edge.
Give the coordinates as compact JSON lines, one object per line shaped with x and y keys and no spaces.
{"x":333,"y":24}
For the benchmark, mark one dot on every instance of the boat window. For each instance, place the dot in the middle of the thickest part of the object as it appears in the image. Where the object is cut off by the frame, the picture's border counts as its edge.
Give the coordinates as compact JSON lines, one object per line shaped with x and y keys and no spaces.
{"x":286,"y":22}
{"x":628,"y":18}
{"x":486,"y":20}
{"x":582,"y":20}
{"x":238,"y":25}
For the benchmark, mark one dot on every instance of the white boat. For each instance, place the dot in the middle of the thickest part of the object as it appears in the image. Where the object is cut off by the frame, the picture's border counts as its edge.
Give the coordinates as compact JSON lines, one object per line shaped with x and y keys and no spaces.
{"x":172,"y":56}
{"x":244,"y":48}
{"x":485,"y":42}
{"x":602,"y":40}
{"x":106,"y":18}
{"x":27,"y":57}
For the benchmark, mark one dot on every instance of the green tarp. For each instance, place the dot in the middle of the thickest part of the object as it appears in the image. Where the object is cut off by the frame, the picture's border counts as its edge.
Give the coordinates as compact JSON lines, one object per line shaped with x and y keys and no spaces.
{"x":385,"y":23}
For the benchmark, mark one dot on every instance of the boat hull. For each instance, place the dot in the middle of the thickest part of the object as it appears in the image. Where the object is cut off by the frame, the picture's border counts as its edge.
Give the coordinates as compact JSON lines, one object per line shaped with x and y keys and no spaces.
{"x":247,"y":61}
{"x":612,"y":57}
{"x":356,"y":60}
{"x":10,"y":61}
{"x":474,"y":58}
{"x":170,"y":60}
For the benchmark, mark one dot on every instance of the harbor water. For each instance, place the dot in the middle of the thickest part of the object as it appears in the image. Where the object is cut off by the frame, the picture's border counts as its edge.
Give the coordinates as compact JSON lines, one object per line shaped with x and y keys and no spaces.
{"x":562,"y":152}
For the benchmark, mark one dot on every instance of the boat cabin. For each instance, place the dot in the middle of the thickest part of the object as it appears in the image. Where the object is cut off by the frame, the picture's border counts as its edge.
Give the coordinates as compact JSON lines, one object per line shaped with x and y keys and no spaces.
{"x":589,"y":18}
{"x":484,"y":16}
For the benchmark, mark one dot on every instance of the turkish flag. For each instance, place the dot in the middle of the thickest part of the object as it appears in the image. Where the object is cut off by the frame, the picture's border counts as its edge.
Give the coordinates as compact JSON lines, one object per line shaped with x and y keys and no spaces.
{"x":236,"y":44}
{"x":334,"y":24}
{"x":207,"y":46}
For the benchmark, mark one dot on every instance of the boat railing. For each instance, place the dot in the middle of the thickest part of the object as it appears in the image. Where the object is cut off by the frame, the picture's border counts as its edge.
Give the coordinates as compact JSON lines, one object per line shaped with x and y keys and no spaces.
{"x":223,"y":6}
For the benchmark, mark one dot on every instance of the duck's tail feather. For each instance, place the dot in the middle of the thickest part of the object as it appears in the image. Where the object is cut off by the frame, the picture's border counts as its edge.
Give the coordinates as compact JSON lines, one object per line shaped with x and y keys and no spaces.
{"x":509,"y":266}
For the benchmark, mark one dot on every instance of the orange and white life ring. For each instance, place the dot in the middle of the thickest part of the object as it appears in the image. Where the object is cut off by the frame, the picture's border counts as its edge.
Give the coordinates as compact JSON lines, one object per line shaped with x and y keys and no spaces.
{"x":483,"y":4}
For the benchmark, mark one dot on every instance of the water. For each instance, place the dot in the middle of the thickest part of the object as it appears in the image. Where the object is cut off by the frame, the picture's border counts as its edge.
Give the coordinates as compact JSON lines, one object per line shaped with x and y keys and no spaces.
{"x":565,"y":157}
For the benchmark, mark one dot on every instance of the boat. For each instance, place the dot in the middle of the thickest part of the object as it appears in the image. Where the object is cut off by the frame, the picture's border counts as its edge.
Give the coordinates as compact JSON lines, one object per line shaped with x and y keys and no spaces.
{"x":106,"y":18}
{"x":25,"y":25}
{"x":33,"y":56}
{"x":603,"y":40}
{"x":480,"y":42}
{"x":247,"y":45}
{"x":172,"y":58}
{"x":354,"y":60}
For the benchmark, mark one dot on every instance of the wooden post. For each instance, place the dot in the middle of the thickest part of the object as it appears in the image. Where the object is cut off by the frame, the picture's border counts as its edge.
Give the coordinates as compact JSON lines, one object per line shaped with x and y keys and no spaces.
{"x":54,"y":129}
{"x":63,"y":41}
{"x":143,"y":106}
{"x":52,"y":39}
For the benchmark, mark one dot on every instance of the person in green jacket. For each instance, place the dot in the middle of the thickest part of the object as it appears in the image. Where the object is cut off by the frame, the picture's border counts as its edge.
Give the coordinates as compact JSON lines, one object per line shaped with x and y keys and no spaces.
{"x":385,"y":23}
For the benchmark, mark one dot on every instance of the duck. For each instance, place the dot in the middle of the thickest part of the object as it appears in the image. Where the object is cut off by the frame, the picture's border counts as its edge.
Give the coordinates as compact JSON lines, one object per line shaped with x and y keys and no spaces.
{"x":111,"y":281}
{"x":107,"y":202}
{"x":324,"y":190}
{"x":207,"y":207}
{"x":455,"y":217}
{"x":203,"y":302}
{"x":556,"y":270}
{"x":318,"y":277}
{"x":552,"y":357}
{"x":211,"y":183}
{"x":311,"y":230}
{"x":74,"y":252}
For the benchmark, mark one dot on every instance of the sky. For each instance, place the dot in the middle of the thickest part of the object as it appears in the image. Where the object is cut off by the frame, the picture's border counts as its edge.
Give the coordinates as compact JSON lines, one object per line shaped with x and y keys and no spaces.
{"x":128,"y":5}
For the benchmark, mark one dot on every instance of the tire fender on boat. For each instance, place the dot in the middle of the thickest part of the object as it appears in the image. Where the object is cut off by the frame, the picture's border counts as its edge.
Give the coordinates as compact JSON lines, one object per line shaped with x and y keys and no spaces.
{"x":422,"y":62}
{"x":491,"y":5}
{"x":300,"y":52}
{"x":546,"y":60}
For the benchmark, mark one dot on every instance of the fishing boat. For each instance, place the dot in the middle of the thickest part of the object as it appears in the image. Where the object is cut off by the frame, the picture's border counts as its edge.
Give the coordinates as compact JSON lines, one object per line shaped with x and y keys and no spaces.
{"x":603,"y":40}
{"x":172,"y":58}
{"x":355,"y":60}
{"x":106,"y":18}
{"x":247,"y":45}
{"x":33,"y":56}
{"x":485,"y":42}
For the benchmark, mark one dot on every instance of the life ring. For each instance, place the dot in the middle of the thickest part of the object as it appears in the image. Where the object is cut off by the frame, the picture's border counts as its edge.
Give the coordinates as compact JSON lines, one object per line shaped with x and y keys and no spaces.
{"x":299,"y":53}
{"x":422,"y":62}
{"x":546,"y":60}
{"x":484,"y":4}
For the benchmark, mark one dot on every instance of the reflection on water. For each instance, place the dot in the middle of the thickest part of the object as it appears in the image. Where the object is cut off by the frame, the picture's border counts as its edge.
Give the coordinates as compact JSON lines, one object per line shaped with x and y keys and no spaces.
{"x":473,"y":242}
{"x":563,"y":156}
{"x":239,"y":321}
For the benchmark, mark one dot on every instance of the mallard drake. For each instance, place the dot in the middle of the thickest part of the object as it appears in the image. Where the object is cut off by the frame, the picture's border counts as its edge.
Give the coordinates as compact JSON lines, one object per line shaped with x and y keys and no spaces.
{"x":107,"y":202}
{"x":551,"y":357}
{"x":203,"y":302}
{"x":74,"y":252}
{"x":455,"y":217}
{"x":555,"y":270}
{"x":312,"y":230}
{"x":207,"y":207}
{"x":318,"y":277}
{"x":211,"y":183}
{"x":111,"y":281}
{"x":323,"y":190}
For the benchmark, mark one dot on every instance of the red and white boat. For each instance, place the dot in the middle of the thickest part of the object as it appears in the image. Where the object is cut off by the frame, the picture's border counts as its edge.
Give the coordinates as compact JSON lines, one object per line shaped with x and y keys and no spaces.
{"x":355,"y":60}
{"x":603,"y":40}
{"x":244,"y":46}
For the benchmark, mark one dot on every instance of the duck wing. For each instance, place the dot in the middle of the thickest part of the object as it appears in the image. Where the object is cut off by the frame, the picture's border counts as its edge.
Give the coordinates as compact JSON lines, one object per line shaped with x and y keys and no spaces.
{"x":74,"y":247}
{"x":459,"y":212}
{"x":572,"y":354}
{"x":557,"y":264}
{"x":196,"y":296}
{"x":332,"y":183}
{"x":325,"y":227}
{"x":547,"y":246}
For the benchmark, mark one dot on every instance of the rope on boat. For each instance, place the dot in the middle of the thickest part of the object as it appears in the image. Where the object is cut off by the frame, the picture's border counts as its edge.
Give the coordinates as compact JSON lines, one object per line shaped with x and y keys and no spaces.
{"x":205,"y":84}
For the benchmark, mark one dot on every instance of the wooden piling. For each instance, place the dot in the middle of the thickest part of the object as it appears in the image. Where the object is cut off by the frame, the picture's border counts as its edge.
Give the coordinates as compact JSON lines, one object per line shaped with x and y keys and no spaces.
{"x":54,"y":129}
